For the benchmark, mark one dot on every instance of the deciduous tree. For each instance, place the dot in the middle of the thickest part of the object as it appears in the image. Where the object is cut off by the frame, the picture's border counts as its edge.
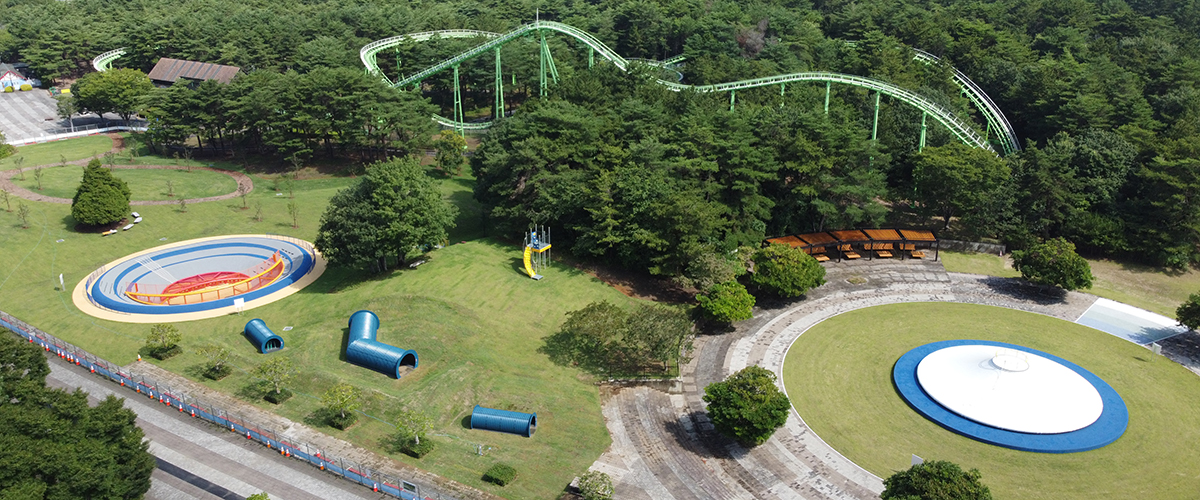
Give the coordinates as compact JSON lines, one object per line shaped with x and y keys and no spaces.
{"x":935,"y":480}
{"x":1054,"y":263}
{"x":747,"y":406}
{"x":119,"y":91}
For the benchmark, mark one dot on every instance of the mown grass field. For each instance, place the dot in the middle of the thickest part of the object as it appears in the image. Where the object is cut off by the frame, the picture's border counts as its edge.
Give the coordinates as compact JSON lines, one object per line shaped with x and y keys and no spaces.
{"x":144,"y":185}
{"x":54,"y":152}
{"x":838,"y":376}
{"x":474,"y":318}
{"x":1153,"y":289}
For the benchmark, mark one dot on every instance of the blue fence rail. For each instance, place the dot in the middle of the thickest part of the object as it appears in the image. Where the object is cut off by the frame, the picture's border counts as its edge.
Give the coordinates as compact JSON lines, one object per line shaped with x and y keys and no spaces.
{"x":197,"y":408}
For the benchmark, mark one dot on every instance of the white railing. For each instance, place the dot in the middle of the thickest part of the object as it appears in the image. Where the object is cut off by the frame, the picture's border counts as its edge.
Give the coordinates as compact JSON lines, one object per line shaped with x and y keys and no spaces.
{"x":81,"y":131}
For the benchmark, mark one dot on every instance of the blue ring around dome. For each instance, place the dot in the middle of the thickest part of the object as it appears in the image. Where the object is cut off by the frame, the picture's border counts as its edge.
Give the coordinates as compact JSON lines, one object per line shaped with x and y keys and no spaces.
{"x":297,"y":269}
{"x":1113,"y":421}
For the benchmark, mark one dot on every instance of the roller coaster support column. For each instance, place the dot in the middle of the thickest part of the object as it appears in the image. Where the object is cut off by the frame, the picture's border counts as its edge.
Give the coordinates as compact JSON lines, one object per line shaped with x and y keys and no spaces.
{"x":921,"y":146}
{"x":591,"y":57}
{"x":782,"y":87}
{"x":547,"y":62}
{"x":732,"y":98}
{"x":499,"y":88}
{"x":827,"y":86}
{"x":458,"y":110}
{"x":875,"y":126}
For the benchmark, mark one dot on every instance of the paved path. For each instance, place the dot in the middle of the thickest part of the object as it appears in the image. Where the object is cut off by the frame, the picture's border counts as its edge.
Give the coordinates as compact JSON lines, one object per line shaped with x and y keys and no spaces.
{"x":664,"y":445}
{"x":34,"y":113}
{"x":7,"y":184}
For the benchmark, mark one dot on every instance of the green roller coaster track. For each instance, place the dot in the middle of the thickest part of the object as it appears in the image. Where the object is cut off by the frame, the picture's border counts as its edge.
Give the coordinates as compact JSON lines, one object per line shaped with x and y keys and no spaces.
{"x":963,"y":130}
{"x":996,"y":121}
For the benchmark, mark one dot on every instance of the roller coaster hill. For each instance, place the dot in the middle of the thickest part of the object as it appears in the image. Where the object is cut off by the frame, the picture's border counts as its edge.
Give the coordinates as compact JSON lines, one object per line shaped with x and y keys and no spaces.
{"x":995,"y":133}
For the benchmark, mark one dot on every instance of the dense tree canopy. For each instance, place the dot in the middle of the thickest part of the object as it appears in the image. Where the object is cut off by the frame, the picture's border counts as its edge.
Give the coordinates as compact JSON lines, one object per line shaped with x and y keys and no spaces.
{"x":56,"y":446}
{"x":119,"y":91}
{"x":1105,"y":97}
{"x":605,"y":339}
{"x":392,"y":211}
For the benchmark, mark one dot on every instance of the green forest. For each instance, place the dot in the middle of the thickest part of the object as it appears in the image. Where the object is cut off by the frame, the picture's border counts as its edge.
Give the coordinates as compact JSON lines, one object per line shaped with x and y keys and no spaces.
{"x":1103,"y":95}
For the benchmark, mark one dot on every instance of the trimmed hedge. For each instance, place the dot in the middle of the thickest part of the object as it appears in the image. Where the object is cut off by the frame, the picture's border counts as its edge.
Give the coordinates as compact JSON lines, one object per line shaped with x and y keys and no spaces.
{"x":26,"y":86}
{"x":415,"y":450}
{"x":216,"y":373}
{"x":501,"y":474}
{"x":278,"y":398}
{"x":338,"y":422}
{"x":161,"y":353}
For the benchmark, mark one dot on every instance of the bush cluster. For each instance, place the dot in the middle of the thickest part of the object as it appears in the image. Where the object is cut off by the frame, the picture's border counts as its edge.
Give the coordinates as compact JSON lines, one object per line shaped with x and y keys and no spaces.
{"x":417,"y":450}
{"x":501,"y":474}
{"x":278,"y":397}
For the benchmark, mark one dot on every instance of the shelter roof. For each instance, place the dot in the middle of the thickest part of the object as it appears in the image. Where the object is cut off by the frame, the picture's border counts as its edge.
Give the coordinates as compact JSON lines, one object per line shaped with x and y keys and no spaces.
{"x":917,"y":235}
{"x":882,"y":234}
{"x":169,"y":70}
{"x":849,"y":235}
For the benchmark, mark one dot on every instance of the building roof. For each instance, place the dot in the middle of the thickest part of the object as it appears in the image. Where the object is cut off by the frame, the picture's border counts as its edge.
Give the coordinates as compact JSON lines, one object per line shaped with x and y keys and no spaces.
{"x":169,"y":70}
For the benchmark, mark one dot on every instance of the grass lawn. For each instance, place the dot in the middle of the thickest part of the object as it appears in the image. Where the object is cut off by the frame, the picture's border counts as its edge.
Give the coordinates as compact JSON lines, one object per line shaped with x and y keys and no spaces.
{"x":149,"y":185}
{"x":50,"y":153}
{"x":474,"y":318}
{"x":1149,"y":288}
{"x":838,"y":375}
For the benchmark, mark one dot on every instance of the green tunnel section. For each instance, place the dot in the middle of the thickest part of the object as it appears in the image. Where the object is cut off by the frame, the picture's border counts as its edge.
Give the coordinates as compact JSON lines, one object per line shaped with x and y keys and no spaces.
{"x":262,"y":337}
{"x":962,"y":129}
{"x":363,"y":350}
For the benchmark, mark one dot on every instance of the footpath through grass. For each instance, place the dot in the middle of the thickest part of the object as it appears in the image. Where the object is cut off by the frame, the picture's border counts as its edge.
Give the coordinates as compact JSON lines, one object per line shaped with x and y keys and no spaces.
{"x":838,"y":376}
{"x":474,"y":318}
{"x":1153,"y":289}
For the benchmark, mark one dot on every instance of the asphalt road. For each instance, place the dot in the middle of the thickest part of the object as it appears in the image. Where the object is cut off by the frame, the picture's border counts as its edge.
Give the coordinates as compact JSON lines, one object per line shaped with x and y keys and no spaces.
{"x":199,"y":461}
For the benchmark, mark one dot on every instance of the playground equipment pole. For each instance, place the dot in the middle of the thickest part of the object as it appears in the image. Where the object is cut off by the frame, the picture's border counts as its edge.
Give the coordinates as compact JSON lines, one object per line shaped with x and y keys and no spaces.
{"x":875,"y":125}
{"x":499,"y":88}
{"x":458,"y":109}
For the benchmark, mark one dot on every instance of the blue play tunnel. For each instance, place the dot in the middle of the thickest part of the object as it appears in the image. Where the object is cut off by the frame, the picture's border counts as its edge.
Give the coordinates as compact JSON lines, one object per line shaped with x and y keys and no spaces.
{"x":263,"y":338}
{"x":511,"y":422}
{"x":363,"y":350}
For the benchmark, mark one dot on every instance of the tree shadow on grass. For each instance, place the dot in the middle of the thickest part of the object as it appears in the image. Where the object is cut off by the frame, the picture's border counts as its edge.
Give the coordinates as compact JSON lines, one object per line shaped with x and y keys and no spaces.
{"x":255,"y":390}
{"x":1020,"y":289}
{"x":319,"y":417}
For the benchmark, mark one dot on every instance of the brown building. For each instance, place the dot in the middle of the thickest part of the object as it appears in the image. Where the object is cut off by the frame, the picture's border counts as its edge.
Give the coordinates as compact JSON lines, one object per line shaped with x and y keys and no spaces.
{"x":168,"y":71}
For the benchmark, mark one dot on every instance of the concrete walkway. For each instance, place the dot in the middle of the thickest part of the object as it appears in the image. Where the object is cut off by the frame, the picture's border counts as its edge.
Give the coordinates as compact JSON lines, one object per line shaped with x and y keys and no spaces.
{"x":664,"y":445}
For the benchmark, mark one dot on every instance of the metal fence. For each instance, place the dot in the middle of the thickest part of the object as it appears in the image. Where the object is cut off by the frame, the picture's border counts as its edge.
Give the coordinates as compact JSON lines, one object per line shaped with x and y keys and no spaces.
{"x":198,"y":408}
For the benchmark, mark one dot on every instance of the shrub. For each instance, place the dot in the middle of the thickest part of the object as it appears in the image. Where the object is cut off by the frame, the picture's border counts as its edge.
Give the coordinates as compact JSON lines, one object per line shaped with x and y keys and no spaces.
{"x":935,"y":480}
{"x":1054,"y":263}
{"x":26,"y":87}
{"x":727,"y":302}
{"x":161,"y":353}
{"x":785,"y":271}
{"x":278,"y":397}
{"x":342,"y":421}
{"x":8,"y":90}
{"x":501,"y":474}
{"x":218,"y":372}
{"x":595,"y":485}
{"x":747,"y":406}
{"x":415,"y":449}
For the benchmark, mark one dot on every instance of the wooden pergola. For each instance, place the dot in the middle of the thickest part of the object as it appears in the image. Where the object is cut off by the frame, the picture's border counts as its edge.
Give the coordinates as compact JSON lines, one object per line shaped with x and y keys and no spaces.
{"x":884,"y":243}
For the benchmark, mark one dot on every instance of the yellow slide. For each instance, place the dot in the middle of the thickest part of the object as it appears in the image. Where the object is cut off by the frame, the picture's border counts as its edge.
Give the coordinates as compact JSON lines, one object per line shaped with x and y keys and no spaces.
{"x":528,"y":262}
